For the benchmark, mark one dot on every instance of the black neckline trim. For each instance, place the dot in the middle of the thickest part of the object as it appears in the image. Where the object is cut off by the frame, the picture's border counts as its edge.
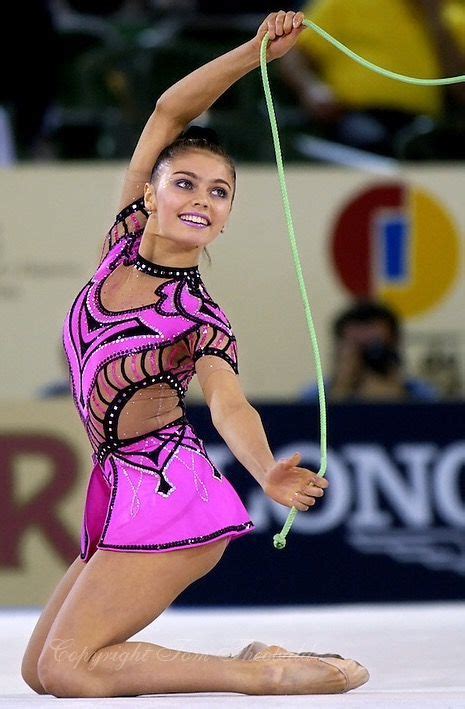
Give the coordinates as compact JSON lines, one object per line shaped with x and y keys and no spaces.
{"x":156,"y":269}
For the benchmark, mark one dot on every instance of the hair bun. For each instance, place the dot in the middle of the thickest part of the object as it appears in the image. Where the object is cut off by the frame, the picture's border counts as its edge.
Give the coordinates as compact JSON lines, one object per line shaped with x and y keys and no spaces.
{"x":208,"y":135}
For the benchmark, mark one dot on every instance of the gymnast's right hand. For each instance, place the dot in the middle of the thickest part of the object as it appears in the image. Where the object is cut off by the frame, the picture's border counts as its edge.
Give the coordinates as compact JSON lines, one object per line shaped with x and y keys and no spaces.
{"x":283,"y":28}
{"x":292,"y":486}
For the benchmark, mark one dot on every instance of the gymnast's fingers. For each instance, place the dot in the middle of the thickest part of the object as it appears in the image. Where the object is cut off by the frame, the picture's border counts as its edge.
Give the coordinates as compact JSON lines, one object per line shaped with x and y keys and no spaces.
{"x":301,"y":502}
{"x":288,"y":24}
{"x":313,"y":491}
{"x":279,"y":23}
{"x":312,"y":478}
{"x":298,"y":19}
{"x":271,"y":25}
{"x":293,"y":461}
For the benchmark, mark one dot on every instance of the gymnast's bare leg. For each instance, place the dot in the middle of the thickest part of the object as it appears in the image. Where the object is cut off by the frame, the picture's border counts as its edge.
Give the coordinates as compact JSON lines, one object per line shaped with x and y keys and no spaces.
{"x":44,"y":623}
{"x":86,"y":653}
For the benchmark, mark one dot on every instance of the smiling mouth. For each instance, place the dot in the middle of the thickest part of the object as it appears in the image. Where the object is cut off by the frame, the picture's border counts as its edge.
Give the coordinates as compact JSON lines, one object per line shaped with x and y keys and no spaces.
{"x":197,"y":221}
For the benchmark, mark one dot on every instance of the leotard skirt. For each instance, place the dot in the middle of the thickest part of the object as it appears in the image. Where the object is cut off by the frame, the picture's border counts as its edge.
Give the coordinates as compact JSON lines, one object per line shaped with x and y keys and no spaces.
{"x":159,"y":492}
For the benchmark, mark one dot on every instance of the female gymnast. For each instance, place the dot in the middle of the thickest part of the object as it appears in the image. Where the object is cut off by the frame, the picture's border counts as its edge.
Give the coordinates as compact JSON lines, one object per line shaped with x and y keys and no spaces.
{"x":135,"y":335}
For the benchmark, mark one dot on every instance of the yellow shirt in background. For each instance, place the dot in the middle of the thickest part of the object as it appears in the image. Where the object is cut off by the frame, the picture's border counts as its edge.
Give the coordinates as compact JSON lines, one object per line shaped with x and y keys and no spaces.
{"x":389,"y":33}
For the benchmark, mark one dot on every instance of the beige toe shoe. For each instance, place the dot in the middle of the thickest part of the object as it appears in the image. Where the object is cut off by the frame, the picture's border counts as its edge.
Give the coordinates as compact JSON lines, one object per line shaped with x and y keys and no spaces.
{"x":355,"y":674}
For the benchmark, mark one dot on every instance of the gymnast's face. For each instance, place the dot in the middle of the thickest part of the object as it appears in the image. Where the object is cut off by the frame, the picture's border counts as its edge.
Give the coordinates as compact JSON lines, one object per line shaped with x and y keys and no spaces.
{"x":191,"y":197}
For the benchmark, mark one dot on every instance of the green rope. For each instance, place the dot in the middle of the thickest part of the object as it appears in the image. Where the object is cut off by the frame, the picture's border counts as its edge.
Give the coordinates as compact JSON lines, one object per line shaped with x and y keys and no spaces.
{"x":374,"y":67}
{"x":279,"y":540}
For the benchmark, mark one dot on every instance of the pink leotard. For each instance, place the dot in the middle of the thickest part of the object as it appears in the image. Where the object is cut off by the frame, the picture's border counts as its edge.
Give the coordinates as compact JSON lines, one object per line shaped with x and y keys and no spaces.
{"x":153,"y":486}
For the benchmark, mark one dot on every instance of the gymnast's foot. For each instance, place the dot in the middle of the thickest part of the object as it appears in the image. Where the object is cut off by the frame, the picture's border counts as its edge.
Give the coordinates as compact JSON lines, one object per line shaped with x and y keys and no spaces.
{"x":309,"y":673}
{"x":250,"y":651}
{"x":255,"y":647}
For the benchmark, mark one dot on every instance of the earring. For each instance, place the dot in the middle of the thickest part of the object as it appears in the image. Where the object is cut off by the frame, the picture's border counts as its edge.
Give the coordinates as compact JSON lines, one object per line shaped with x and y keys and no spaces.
{"x":222,"y":230}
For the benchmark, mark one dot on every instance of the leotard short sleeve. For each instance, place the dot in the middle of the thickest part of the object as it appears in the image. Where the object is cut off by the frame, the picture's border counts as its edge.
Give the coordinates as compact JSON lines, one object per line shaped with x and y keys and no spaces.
{"x":128,"y":225}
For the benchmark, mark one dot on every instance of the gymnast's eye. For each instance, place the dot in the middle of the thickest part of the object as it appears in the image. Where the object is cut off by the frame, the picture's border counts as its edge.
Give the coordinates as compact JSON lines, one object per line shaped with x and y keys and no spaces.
{"x":221,"y":192}
{"x":184,"y":184}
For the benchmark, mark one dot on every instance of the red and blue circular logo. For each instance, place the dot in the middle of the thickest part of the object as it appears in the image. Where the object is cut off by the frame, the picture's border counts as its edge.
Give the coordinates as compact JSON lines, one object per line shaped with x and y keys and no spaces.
{"x":398,"y":244}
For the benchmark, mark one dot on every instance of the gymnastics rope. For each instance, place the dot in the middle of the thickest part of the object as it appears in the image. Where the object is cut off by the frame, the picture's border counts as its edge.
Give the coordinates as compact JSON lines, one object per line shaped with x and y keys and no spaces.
{"x":279,"y":540}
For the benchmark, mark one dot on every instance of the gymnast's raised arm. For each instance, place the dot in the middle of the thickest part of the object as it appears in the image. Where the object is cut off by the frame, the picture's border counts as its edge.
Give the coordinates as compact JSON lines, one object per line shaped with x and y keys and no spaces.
{"x":195,"y":93}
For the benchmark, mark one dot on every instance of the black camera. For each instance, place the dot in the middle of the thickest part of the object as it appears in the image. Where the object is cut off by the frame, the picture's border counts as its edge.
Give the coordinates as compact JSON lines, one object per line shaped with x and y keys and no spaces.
{"x":380,"y":357}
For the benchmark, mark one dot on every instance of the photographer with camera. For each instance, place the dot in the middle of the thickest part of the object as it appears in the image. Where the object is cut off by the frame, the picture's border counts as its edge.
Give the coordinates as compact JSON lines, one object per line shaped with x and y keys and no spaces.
{"x":367,"y":363}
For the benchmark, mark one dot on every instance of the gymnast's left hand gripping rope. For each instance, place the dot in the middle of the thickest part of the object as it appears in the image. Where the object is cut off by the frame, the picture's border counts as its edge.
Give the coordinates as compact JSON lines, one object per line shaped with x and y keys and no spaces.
{"x":279,"y":540}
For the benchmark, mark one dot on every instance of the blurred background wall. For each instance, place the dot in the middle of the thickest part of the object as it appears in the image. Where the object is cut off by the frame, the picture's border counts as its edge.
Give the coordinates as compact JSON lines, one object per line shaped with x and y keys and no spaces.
{"x":54,"y":219}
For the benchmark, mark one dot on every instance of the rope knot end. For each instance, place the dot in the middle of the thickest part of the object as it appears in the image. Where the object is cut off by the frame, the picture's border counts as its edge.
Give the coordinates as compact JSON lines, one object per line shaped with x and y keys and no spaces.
{"x":279,"y":541}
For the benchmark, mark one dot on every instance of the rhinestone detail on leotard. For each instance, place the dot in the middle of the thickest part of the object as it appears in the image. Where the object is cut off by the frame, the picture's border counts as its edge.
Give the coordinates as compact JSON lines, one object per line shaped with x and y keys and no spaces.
{"x":155,"y":269}
{"x":181,"y":542}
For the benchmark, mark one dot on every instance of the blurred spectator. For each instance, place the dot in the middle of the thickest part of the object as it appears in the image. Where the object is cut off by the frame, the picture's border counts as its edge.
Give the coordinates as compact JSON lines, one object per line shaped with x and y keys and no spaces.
{"x":367,"y":364}
{"x":440,"y":364}
{"x":348,"y":103}
{"x":29,"y":82}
